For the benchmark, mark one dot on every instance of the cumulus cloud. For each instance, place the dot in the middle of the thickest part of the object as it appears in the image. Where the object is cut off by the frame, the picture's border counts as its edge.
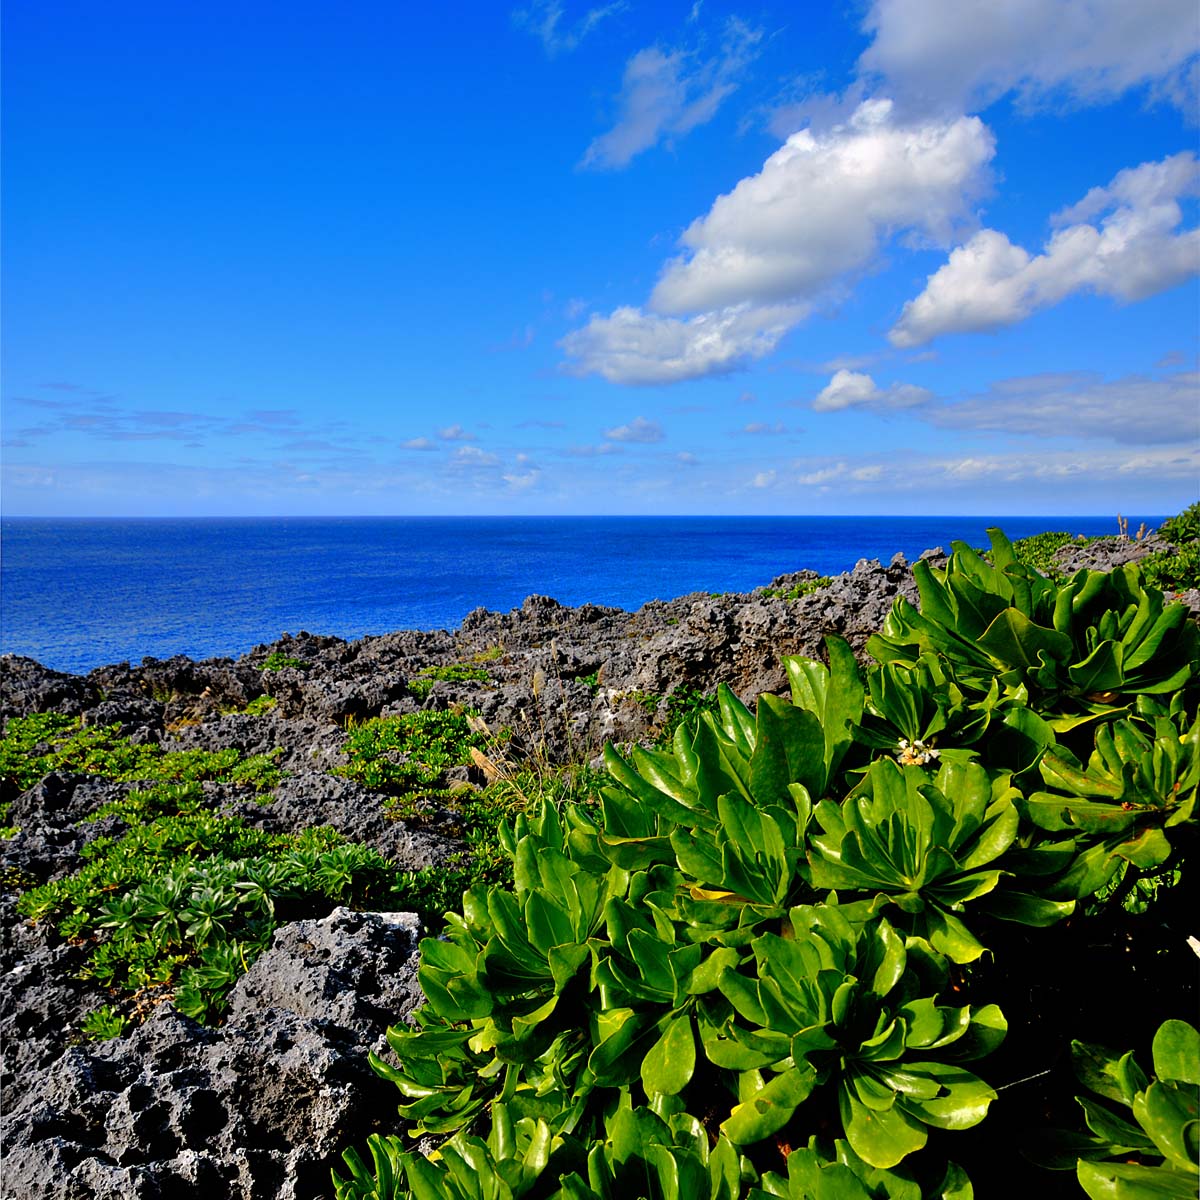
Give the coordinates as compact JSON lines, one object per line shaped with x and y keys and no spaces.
{"x":1130,"y":411}
{"x":1134,"y":251}
{"x":522,"y":482}
{"x":638,"y":430}
{"x":958,"y":55}
{"x":764,"y":427}
{"x":455,"y":433}
{"x":635,"y":347}
{"x":821,"y":206}
{"x":544,"y":19}
{"x":763,"y":479}
{"x":419,"y":443}
{"x":473,"y":456}
{"x":665,"y":94}
{"x":852,"y":389}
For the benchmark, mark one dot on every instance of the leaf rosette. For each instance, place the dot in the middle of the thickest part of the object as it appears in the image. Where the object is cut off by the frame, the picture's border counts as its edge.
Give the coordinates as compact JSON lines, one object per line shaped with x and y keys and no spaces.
{"x":837,"y":1005}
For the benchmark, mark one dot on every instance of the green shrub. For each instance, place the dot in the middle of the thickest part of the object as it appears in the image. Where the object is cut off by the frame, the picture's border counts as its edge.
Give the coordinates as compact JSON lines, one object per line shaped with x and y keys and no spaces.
{"x":1173,"y":572}
{"x":36,"y":745}
{"x":781,"y":956}
{"x":422,"y":684}
{"x":408,"y":753}
{"x":278,"y":661}
{"x":1182,"y":528}
{"x":804,"y":588}
{"x":104,"y":1023}
{"x":1038,"y":552}
{"x":186,"y":899}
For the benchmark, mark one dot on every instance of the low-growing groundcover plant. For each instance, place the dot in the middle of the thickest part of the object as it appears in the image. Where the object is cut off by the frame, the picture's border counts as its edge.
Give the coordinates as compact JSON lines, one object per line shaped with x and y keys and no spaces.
{"x":185,"y":899}
{"x":181,"y":900}
{"x":839,"y":948}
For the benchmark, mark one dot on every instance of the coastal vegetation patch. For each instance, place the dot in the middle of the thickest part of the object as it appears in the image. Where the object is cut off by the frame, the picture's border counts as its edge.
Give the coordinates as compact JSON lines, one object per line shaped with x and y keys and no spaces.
{"x":35,"y":745}
{"x":846,"y":944}
{"x":408,"y":754}
{"x":179,"y":904}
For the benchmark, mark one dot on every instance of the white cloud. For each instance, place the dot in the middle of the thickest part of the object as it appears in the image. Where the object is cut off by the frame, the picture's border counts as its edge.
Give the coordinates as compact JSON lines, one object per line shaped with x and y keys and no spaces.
{"x":1134,"y":252}
{"x":455,"y":433}
{"x":959,"y":54}
{"x":763,"y":479}
{"x":821,"y":206}
{"x":940,"y":472}
{"x":822,"y":475}
{"x":543,"y":18}
{"x":687,"y":458}
{"x":764,"y":427}
{"x":634,"y":347}
{"x":472,"y":456}
{"x":852,"y":389}
{"x":667,"y":94}
{"x":1130,"y":411}
{"x":522,"y":483}
{"x":638,"y":430}
{"x":419,"y":443}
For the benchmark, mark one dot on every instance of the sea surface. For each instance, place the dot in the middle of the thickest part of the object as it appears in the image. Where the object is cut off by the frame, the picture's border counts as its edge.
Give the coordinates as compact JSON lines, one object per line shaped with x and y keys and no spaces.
{"x":77,"y":594}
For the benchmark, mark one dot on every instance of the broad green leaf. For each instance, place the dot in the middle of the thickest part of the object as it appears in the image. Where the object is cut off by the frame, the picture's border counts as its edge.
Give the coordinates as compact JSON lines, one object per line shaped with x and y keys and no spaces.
{"x":880,"y":1138}
{"x":1101,"y":671}
{"x":950,"y":936}
{"x":612,"y":1061}
{"x":1177,"y":1052}
{"x":1105,"y":1073}
{"x":1127,"y":1181}
{"x":1013,"y":638}
{"x":658,"y":801}
{"x":1147,"y":850}
{"x":1169,"y":1114}
{"x":955,"y":1185}
{"x":770,"y":1109}
{"x":736,"y":719}
{"x":669,"y":1065}
{"x":1025,"y":909}
{"x":1119,"y":1134}
{"x":790,"y":749}
{"x":964,"y":1100}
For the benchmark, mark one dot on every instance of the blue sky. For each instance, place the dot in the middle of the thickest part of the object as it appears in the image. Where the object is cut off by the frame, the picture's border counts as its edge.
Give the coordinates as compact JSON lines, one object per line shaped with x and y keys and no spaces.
{"x":899,"y":256}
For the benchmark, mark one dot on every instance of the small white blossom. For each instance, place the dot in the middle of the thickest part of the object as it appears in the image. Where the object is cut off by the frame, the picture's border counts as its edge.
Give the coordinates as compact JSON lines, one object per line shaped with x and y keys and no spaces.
{"x":914,"y":753}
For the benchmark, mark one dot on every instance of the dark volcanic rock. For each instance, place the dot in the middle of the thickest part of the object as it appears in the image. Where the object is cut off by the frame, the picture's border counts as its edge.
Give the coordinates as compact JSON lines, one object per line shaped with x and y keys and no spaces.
{"x":309,"y":799}
{"x":259,"y":1108}
{"x":303,"y":743}
{"x":1104,"y":554}
{"x":28,"y":687}
{"x":44,"y":1000}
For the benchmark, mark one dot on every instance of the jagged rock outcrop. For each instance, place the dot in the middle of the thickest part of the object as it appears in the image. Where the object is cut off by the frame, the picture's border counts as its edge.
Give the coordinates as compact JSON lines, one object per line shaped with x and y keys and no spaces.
{"x":260,"y":1108}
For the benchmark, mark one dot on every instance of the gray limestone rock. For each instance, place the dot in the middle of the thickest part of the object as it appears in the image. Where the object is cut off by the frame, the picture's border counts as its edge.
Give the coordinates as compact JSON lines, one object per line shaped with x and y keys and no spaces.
{"x":259,"y":1108}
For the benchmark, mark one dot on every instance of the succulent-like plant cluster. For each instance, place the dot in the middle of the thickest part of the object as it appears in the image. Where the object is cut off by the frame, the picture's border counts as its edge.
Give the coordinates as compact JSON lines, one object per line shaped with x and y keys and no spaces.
{"x":762,"y":968}
{"x":185,"y":899}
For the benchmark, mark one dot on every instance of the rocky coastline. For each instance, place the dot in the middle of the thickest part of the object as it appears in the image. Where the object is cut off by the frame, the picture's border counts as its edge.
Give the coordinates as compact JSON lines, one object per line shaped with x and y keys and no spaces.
{"x":262,"y":1104}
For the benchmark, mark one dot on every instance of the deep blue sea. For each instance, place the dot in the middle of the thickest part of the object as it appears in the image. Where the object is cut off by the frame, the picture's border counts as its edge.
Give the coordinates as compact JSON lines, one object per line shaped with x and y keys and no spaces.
{"x":77,"y":594}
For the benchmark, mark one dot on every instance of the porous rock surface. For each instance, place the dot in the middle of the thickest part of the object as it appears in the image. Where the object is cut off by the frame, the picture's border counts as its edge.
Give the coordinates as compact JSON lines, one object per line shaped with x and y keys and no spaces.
{"x":262,"y":1105}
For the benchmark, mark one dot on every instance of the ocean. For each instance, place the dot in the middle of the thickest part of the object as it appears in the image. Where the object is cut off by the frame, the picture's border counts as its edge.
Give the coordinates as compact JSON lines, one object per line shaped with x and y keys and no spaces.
{"x":77,"y":594}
